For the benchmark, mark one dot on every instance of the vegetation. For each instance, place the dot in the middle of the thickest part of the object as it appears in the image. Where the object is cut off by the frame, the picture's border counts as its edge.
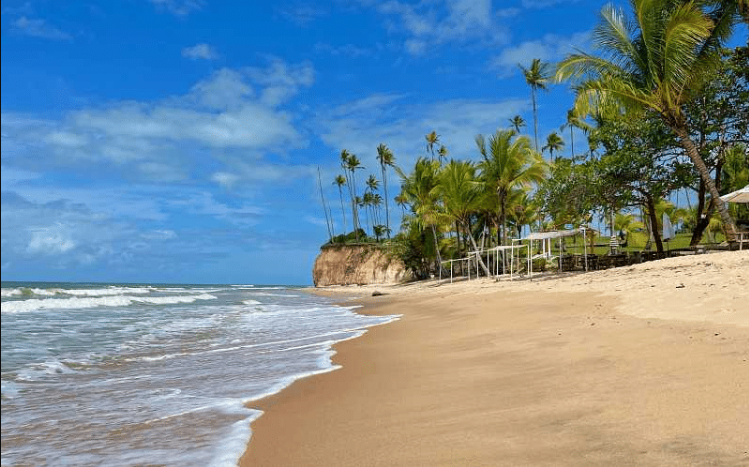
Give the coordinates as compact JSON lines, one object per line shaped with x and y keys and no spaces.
{"x":665,"y":111}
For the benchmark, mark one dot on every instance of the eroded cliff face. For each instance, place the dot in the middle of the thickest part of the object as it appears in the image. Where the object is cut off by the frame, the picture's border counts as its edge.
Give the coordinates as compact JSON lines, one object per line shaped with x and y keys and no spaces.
{"x":360,"y":264}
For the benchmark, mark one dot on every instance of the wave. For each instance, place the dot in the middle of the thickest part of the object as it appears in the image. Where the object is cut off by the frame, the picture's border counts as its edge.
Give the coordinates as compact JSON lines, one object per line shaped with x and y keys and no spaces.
{"x":35,"y":304}
{"x":251,"y":302}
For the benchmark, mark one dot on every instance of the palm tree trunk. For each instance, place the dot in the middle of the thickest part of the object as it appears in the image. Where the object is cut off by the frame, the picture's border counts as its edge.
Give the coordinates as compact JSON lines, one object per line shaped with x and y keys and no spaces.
{"x":572,"y":143}
{"x":387,"y":207}
{"x":654,"y":224}
{"x":694,"y":155}
{"x":478,"y":255}
{"x":343,"y":211}
{"x":535,"y":116}
{"x":437,"y":248}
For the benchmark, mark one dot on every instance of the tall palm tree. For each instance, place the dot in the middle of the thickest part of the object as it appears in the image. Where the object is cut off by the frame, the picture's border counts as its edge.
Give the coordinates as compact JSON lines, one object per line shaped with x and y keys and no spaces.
{"x":339,"y":181}
{"x":432,"y":139}
{"x":508,"y":163}
{"x":386,"y":159}
{"x":537,"y":77}
{"x":554,"y":142}
{"x":517,"y":123}
{"x":574,"y":121}
{"x":442,"y":154}
{"x":418,"y":189}
{"x":655,"y":62}
{"x":461,"y":194}
{"x":352,"y":165}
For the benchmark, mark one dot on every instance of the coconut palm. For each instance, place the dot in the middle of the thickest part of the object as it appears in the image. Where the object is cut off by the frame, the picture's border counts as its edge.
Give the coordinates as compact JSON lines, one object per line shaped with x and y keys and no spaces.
{"x":537,"y":77}
{"x":432,"y":139}
{"x":418,"y":189}
{"x":574,"y":121}
{"x":517,"y":123}
{"x":386,"y":159}
{"x":353,"y":164}
{"x":461,"y":194}
{"x":554,"y":142}
{"x":339,"y":181}
{"x":655,"y":62}
{"x":508,"y":163}
{"x":442,"y":154}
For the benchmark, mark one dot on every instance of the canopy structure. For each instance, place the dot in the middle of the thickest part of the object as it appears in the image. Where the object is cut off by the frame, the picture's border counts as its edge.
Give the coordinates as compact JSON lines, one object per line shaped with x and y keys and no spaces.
{"x":545,"y":238}
{"x":503,"y":249}
{"x":738,"y":196}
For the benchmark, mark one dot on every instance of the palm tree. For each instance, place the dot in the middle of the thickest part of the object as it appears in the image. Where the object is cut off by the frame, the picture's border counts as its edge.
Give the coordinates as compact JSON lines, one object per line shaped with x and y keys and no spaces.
{"x":508,"y":163}
{"x":517,"y":123}
{"x":353,"y":164}
{"x":442,"y":154}
{"x":432,"y":139}
{"x":372,"y":183}
{"x":574,"y":121}
{"x":461,"y":194}
{"x":655,"y":62}
{"x":339,"y":181}
{"x":386,"y":159}
{"x":537,"y":77}
{"x":554,"y":142}
{"x":418,"y":189}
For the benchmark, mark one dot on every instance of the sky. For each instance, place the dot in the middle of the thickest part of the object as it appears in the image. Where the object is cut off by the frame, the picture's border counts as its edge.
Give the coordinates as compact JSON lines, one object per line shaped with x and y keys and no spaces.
{"x":179,"y":140}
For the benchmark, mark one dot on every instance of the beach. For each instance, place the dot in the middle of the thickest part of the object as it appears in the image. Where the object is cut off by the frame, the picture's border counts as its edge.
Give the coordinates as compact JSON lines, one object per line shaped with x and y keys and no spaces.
{"x":643,"y":365}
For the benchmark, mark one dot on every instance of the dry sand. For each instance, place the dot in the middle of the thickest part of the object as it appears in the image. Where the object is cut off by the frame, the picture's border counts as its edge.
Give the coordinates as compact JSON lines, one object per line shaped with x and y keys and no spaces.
{"x":646,"y":365}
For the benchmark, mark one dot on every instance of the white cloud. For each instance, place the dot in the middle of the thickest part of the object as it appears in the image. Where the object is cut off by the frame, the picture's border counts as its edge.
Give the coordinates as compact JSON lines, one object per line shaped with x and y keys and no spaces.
{"x":159,"y":235}
{"x":35,"y":27}
{"x":200,"y":52}
{"x":430,"y":24}
{"x":50,"y":240}
{"x":225,"y":179}
{"x":550,"y":47}
{"x":361,"y":125}
{"x":179,"y":7}
{"x":232,"y":111}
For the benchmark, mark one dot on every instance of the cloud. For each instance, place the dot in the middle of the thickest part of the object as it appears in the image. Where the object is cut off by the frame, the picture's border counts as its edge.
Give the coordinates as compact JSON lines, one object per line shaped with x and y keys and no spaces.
{"x":234,"y":113}
{"x":539,"y":4}
{"x":301,"y":14}
{"x":35,"y":27}
{"x":159,"y":235}
{"x":359,"y":126}
{"x":550,"y":47}
{"x":345,"y":50}
{"x":179,"y":7}
{"x":200,"y":52}
{"x":426,"y":25}
{"x":51,"y":240}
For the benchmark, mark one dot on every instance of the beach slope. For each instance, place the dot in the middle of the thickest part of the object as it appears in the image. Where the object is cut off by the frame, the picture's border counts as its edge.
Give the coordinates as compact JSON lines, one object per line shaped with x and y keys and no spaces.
{"x":595,"y":369}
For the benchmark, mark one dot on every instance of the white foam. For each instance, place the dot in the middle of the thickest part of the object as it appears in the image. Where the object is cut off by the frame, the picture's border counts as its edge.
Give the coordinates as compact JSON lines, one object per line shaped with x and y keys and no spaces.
{"x":250,"y":302}
{"x":35,"y":304}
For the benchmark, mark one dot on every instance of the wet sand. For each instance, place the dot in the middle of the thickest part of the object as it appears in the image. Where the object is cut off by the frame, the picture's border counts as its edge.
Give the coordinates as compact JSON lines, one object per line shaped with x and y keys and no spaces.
{"x":563,"y":371}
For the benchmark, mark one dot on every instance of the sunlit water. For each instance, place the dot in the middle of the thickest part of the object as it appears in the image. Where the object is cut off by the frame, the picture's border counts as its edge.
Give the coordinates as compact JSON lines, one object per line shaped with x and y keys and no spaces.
{"x":122,"y":375}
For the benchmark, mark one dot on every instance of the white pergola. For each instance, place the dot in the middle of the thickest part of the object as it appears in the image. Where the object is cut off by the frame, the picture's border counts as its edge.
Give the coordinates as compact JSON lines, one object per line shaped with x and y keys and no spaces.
{"x":503,"y":249}
{"x":546,"y":238}
{"x":739,"y":196}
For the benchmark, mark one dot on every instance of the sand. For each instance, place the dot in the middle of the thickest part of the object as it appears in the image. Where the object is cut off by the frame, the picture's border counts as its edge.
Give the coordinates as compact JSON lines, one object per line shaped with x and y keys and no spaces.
{"x":645,"y":365}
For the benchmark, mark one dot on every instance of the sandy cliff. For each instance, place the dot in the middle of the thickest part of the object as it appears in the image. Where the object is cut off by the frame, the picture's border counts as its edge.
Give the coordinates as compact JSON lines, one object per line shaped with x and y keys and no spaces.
{"x":360,"y":264}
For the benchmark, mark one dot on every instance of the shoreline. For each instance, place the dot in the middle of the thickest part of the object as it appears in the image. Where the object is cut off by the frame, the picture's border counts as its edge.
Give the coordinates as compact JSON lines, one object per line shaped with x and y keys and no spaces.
{"x":498,"y":374}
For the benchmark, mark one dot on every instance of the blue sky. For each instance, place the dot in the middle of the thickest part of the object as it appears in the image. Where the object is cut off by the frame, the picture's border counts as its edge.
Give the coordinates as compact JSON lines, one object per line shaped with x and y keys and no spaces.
{"x":178,"y":140}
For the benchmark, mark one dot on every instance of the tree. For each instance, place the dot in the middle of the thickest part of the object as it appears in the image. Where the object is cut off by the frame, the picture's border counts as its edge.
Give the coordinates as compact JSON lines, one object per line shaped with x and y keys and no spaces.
{"x":554,"y":142}
{"x":352,"y":164}
{"x":386,"y":159}
{"x":339,"y":181}
{"x":432,"y":139}
{"x":537,"y":77}
{"x":508,"y":163}
{"x":461,"y":193}
{"x":655,"y":62}
{"x":517,"y":123}
{"x":418,"y":188}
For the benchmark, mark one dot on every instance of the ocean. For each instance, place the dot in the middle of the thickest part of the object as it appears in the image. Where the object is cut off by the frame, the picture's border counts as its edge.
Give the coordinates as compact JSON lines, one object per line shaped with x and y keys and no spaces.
{"x":154,"y":374}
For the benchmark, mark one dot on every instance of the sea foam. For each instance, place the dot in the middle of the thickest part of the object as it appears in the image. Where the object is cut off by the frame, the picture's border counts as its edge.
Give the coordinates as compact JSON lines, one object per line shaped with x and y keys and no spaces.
{"x":35,"y":304}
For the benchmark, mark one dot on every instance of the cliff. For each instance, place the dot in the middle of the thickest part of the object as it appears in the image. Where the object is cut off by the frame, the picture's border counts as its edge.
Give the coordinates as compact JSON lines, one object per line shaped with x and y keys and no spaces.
{"x":357,"y":264}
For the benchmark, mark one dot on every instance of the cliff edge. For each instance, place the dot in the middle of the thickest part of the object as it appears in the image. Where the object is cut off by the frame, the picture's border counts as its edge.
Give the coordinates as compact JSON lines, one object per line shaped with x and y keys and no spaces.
{"x":357,"y":264}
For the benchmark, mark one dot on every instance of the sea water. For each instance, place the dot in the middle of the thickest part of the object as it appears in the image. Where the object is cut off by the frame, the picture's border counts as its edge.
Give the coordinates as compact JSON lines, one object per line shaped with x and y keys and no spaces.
{"x":125,"y":375}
